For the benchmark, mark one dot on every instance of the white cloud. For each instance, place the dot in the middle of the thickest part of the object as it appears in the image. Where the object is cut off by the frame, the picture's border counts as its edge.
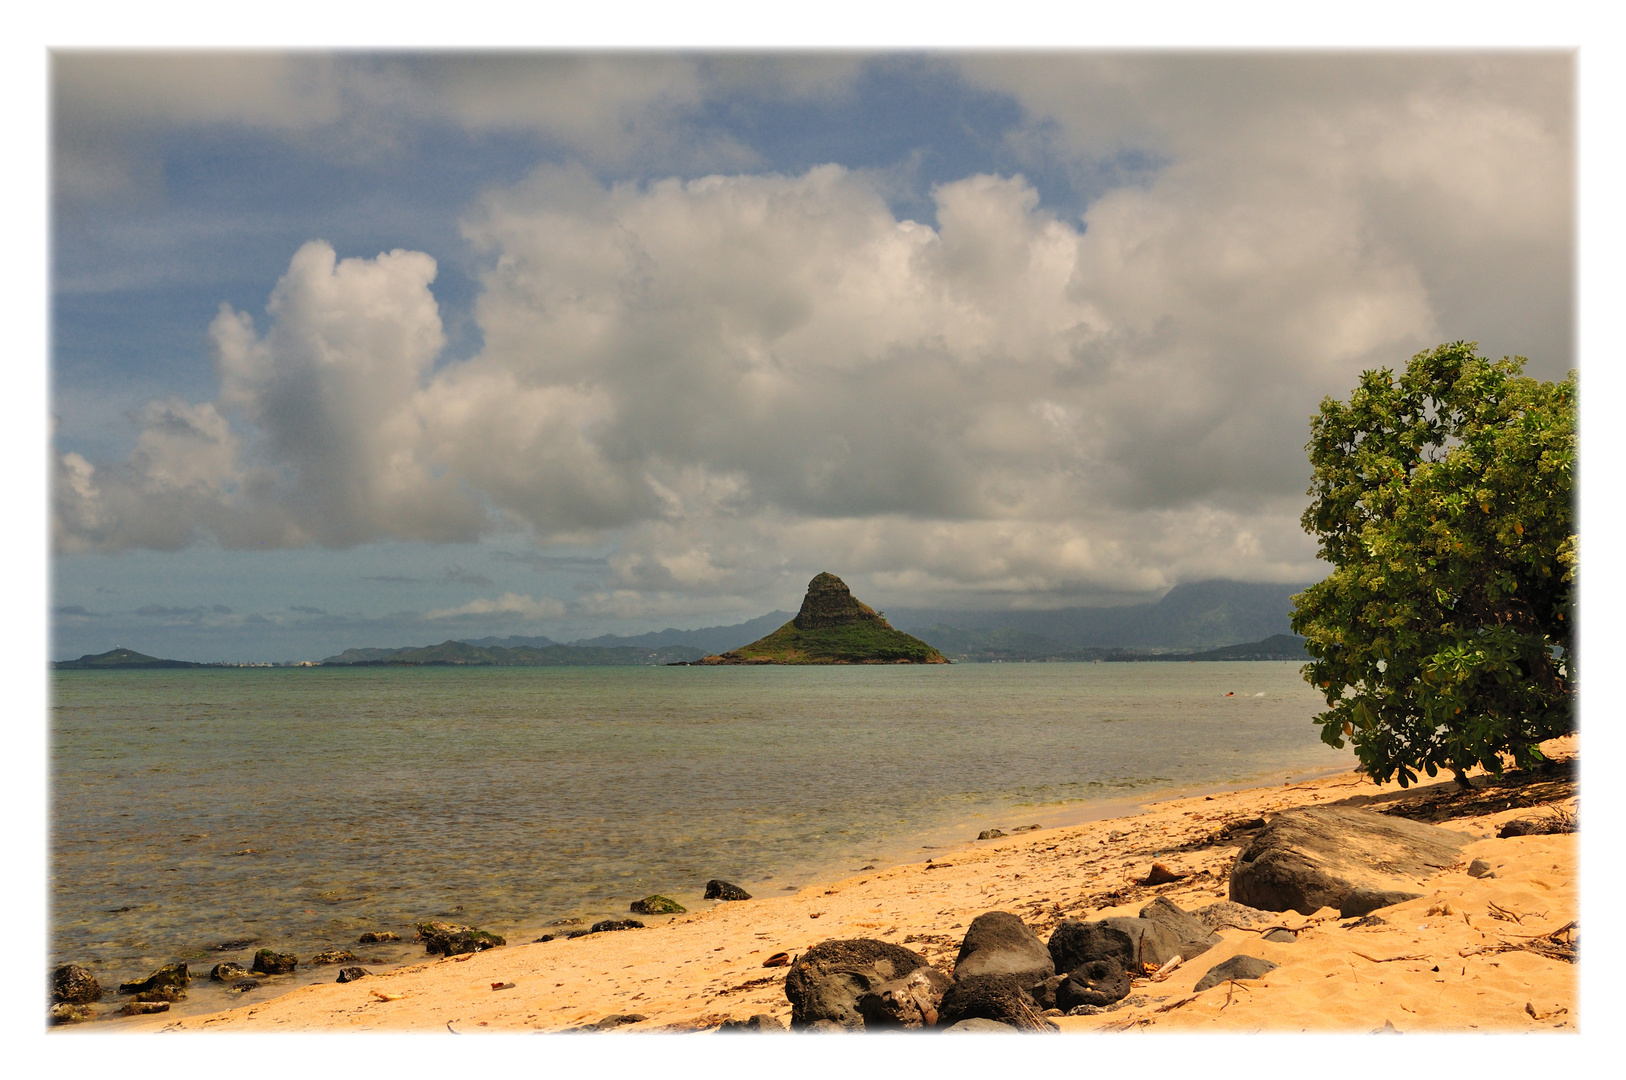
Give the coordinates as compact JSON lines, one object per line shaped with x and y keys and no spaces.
{"x":526,"y":607}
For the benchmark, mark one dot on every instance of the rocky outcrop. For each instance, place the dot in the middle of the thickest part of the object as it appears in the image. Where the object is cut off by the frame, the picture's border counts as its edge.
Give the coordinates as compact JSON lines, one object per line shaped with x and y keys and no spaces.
{"x":268,"y":962}
{"x":334,"y":956}
{"x":74,"y":985}
{"x":908,"y":1003}
{"x":1131,"y":942}
{"x":826,"y":982}
{"x":830,"y":603}
{"x":375,"y":937}
{"x":832,"y":628}
{"x":722,"y":890}
{"x":999,"y":943}
{"x":168,"y":975}
{"x":656,"y":904}
{"x":227,"y":972}
{"x":1308,"y":859}
{"x":1192,"y":936}
{"x":1097,"y":983}
{"x":450,"y":939}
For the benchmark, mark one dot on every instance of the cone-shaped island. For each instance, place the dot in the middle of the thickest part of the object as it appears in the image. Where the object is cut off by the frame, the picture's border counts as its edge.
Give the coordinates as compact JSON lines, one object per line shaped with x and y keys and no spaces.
{"x":833,"y":627}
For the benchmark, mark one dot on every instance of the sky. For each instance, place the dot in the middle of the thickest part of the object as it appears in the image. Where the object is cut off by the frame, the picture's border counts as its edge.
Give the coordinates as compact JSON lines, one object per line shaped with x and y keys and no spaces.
{"x":365,"y":348}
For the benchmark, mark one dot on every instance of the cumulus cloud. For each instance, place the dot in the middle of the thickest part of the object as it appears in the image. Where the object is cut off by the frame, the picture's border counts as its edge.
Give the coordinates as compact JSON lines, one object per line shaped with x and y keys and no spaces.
{"x":743,"y":378}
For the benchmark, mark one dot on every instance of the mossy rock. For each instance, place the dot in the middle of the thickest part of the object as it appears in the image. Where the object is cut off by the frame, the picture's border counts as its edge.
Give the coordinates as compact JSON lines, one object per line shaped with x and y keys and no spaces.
{"x":449,"y":939}
{"x":334,"y":956}
{"x":274,"y":963}
{"x":168,"y":975}
{"x":656,"y":904}
{"x":228,"y":971}
{"x":74,"y":985}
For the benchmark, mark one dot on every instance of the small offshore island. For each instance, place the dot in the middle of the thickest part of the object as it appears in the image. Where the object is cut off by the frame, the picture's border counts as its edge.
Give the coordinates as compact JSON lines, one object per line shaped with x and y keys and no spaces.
{"x":833,"y":627}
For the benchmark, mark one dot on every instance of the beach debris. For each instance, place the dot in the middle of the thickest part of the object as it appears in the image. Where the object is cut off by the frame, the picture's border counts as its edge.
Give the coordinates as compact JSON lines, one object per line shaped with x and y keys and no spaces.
{"x":717,"y":889}
{"x":778,"y":959}
{"x":910,"y":1002}
{"x":1391,"y":959}
{"x":503,"y":985}
{"x":758,"y":1022}
{"x":1161,"y":875}
{"x":1557,"y":821}
{"x":937,"y":866}
{"x":334,"y":956}
{"x":1168,"y":969}
{"x":1388,"y":1028}
{"x":382,"y":996}
{"x":67,"y":1012}
{"x":168,"y":975}
{"x":1560,"y":944}
{"x":74,"y":985}
{"x":227,"y":971}
{"x":1193,"y":937}
{"x":1530,"y":1008}
{"x":144,"y":1008}
{"x":374,"y":937}
{"x":999,"y":943}
{"x":1479,"y":868}
{"x":351,"y":974}
{"x":1237,"y":967}
{"x":1097,"y":982}
{"x":990,"y":834}
{"x":656,"y":904}
{"x":826,"y":981}
{"x":1000,"y":998}
{"x":450,"y":939}
{"x":274,"y":963}
{"x":1315,"y":857}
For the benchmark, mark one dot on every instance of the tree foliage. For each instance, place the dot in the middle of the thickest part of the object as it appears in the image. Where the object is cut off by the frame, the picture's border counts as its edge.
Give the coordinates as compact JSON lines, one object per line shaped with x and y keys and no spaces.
{"x":1443,"y":500}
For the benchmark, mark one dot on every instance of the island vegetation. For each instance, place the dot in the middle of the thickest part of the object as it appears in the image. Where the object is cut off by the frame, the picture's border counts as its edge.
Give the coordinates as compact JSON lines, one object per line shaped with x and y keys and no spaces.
{"x":833,"y":627}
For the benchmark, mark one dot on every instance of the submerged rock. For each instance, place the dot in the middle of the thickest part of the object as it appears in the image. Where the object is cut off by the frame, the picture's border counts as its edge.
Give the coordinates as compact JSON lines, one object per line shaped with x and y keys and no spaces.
{"x":376,"y":937}
{"x":67,"y":1012}
{"x":827,"y":980}
{"x":722,"y":890}
{"x":162,"y":993}
{"x":243,"y":986}
{"x":74,"y":985}
{"x":168,"y":975}
{"x":656,"y":904}
{"x":227,"y":971}
{"x":274,"y":963}
{"x":144,"y":1008}
{"x":334,"y":956}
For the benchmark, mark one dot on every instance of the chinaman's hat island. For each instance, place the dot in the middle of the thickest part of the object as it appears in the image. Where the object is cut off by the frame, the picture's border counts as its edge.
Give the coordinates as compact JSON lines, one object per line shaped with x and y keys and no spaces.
{"x":833,"y":627}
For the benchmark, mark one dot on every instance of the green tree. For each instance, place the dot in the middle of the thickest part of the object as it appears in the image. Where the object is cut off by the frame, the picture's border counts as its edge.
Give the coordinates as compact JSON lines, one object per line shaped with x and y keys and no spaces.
{"x":1443,"y":501}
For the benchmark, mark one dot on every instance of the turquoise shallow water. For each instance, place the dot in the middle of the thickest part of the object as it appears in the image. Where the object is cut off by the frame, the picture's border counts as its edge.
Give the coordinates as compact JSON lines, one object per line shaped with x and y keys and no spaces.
{"x":302,"y":806}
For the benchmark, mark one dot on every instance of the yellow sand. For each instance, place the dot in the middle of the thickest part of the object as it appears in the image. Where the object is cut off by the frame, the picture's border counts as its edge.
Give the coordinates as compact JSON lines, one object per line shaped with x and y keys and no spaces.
{"x":1435,"y":966}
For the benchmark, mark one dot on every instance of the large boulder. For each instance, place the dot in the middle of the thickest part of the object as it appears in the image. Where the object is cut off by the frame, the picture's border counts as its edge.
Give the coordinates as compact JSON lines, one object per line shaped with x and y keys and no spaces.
{"x":1308,"y":859}
{"x":1193,"y":937}
{"x":1098,"y":983}
{"x":450,"y":939}
{"x":1000,"y":998}
{"x":74,"y":985}
{"x":910,"y":1002}
{"x":1131,"y":942}
{"x":826,"y":982}
{"x":717,"y":889}
{"x":656,"y":904}
{"x":267,"y":962}
{"x":168,"y":975}
{"x":999,"y":943}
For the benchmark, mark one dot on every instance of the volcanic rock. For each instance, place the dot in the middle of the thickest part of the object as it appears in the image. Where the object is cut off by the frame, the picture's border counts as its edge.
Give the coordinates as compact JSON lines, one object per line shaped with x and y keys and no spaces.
{"x":656,"y":904}
{"x":274,"y":963}
{"x":1237,"y":967}
{"x":999,"y":943}
{"x":991,"y":997}
{"x":74,"y":985}
{"x":168,"y":975}
{"x":910,"y":1002}
{"x":722,"y":890}
{"x":1193,"y":936}
{"x":827,"y":980}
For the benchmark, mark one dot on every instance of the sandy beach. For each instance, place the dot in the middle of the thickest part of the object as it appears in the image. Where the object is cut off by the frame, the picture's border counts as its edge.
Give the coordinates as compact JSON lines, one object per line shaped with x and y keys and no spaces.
{"x":1458,"y":959}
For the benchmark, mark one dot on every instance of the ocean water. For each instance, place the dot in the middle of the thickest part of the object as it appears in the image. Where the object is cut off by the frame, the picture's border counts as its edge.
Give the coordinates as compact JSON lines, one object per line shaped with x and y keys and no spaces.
{"x":298,"y":807}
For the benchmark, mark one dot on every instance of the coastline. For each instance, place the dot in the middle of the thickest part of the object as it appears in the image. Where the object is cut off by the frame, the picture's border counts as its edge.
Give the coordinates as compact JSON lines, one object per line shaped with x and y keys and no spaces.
{"x":1424,"y":970}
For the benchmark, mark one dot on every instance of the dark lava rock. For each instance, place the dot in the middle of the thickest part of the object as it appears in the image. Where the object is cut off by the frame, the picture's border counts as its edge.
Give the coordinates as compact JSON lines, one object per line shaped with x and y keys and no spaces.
{"x":243,"y":986}
{"x":351,"y":974}
{"x":162,"y":993}
{"x":910,"y":1002}
{"x":1044,"y":993}
{"x":74,"y":985}
{"x":274,"y":963}
{"x":227,"y":971}
{"x":656,"y":904}
{"x":67,"y":1012}
{"x":999,"y":943}
{"x":1370,"y":920}
{"x":759,"y":1022}
{"x":1364,"y":901}
{"x":1283,"y":935}
{"x":1131,"y":942}
{"x":990,"y":834}
{"x":825,"y":1027}
{"x":233,"y":945}
{"x":1098,"y":983}
{"x":144,"y":1008}
{"x":1237,"y":967}
{"x":1308,"y":859}
{"x":827,"y":980}
{"x":168,"y":975}
{"x":449,"y":939}
{"x":374,"y":937}
{"x":1194,"y":937}
{"x":991,"y":997}
{"x":614,"y":924}
{"x":540,"y":940}
{"x":722,"y":890}
{"x":1225,"y":913}
{"x":334,"y":956}
{"x":978,"y":1026}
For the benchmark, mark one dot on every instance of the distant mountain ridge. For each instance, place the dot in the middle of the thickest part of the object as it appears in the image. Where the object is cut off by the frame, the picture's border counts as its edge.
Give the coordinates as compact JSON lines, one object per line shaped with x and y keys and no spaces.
{"x":120,"y":658}
{"x":462,"y":654}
